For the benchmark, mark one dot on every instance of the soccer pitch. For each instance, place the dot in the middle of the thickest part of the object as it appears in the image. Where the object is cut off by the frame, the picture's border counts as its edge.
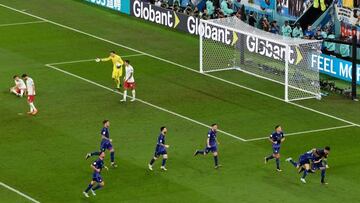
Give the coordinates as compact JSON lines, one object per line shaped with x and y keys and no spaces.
{"x":56,"y":42}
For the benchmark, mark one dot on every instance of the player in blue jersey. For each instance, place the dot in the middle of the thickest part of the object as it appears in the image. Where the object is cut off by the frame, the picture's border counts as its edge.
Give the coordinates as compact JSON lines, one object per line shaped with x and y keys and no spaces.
{"x":106,"y":144}
{"x":97,"y":166}
{"x":211,"y":145}
{"x":160,"y":150}
{"x":312,"y":161}
{"x":276,"y":138}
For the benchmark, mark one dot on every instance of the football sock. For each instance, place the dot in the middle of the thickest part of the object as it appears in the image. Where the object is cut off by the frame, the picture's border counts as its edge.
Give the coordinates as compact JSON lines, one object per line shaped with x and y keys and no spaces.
{"x":125,"y":94}
{"x":89,"y":187}
{"x":95,"y":153}
{"x":216,"y":160}
{"x":269,"y":157}
{"x":199,"y":152}
{"x":305,"y":174}
{"x":97,"y":187}
{"x":133,"y":94}
{"x":152,"y":161}
{"x":293,"y":163}
{"x":112,"y":156}
{"x":323,"y":175}
{"x":163,"y":162}
{"x":277,"y":163}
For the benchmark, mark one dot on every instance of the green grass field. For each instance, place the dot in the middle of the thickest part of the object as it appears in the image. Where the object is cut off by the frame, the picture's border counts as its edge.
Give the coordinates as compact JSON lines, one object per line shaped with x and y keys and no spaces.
{"x":43,"y":156}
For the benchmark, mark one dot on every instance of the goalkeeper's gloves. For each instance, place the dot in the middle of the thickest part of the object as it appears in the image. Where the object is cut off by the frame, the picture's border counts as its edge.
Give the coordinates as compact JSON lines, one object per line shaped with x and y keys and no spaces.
{"x":97,"y":60}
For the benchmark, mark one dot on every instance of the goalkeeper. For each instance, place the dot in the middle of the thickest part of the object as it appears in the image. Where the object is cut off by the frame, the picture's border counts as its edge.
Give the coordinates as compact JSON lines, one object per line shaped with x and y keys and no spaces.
{"x":117,"y":67}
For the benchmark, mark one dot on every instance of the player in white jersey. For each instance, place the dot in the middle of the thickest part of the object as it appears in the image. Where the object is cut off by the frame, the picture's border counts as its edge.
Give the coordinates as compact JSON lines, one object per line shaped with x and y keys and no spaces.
{"x":30,"y":87}
{"x":129,"y":81}
{"x":19,"y":88}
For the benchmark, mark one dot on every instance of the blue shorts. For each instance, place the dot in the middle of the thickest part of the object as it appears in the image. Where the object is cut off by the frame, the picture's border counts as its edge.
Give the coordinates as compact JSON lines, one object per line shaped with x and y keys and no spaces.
{"x":303,"y":160}
{"x":97,"y":177}
{"x":105,"y":145}
{"x":318,"y":166}
{"x":159,"y":153}
{"x":276,"y":149}
{"x":211,"y":149}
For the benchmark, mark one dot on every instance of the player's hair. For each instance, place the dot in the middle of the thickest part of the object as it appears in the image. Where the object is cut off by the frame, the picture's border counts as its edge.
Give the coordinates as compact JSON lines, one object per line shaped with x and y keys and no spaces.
{"x":327,"y":148}
{"x":277,"y":126}
{"x":127,"y":61}
{"x":113,"y":52}
{"x":15,"y":76}
{"x":162,"y":128}
{"x":214,"y":124}
{"x":24,"y":75}
{"x":105,"y":121}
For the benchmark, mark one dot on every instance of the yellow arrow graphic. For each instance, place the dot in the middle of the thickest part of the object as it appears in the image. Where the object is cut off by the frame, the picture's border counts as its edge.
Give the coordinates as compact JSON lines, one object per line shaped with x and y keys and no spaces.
{"x":177,"y":20}
{"x":299,"y":56}
{"x":235,"y":39}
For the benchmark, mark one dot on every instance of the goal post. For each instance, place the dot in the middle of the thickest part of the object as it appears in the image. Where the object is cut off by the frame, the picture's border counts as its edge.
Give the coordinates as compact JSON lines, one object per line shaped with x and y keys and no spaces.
{"x":228,"y":44}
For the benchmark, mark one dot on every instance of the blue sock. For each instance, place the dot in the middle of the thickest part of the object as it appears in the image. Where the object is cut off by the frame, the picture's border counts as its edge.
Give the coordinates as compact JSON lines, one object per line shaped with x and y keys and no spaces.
{"x":112,"y":156}
{"x":323,"y":176}
{"x":163,"y":162}
{"x":305,"y":173}
{"x":199,"y":152}
{"x":216,"y":160}
{"x":89,"y":187}
{"x":97,"y":187}
{"x":277,"y":163}
{"x":293,"y":163}
{"x":269,"y":157}
{"x":152,"y":161}
{"x":95,"y":153}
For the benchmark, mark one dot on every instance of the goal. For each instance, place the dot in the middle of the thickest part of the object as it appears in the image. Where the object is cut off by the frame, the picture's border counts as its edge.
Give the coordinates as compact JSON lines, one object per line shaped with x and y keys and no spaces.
{"x":228,"y":44}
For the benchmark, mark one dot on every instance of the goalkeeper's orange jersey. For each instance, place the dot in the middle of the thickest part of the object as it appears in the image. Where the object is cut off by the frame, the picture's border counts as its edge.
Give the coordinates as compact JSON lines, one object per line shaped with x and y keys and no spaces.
{"x":115,"y":59}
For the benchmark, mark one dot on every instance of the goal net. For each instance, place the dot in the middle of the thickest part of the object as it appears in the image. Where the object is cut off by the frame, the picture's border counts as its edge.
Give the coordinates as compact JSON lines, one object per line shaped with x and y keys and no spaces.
{"x":230,"y":44}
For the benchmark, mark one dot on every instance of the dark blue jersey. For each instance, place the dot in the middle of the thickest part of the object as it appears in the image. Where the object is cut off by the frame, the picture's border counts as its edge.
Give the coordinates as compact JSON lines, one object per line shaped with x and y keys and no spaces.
{"x":160,"y":143}
{"x":277,"y":137}
{"x":319,"y":154}
{"x":212,"y":138}
{"x":105,"y":132}
{"x":98,"y":164}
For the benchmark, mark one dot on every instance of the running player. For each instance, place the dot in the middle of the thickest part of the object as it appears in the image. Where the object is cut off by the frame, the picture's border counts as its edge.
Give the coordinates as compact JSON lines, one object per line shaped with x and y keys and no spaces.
{"x":160,"y":150}
{"x":30,"y":87}
{"x":19,"y":88}
{"x":211,"y":145}
{"x":106,"y":144}
{"x":97,"y":166}
{"x":129,"y":81}
{"x":117,"y":67}
{"x":276,"y":138}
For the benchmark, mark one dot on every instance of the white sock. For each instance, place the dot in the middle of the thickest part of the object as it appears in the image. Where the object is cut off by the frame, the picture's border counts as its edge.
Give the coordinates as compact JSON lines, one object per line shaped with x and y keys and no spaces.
{"x":125,"y":93}
{"x":133,"y":94}
{"x":32,"y":106}
{"x":21,"y":93}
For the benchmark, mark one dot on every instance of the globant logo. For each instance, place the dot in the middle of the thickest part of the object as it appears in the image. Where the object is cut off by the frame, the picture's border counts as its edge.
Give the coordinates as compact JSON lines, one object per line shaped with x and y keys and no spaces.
{"x":155,"y":14}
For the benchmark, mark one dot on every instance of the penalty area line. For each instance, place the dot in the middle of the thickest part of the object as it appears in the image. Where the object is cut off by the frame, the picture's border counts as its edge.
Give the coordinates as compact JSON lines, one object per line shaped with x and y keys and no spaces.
{"x":18,"y":192}
{"x":305,"y":132}
{"x":88,"y":60}
{"x":143,"y":102}
{"x":22,"y":23}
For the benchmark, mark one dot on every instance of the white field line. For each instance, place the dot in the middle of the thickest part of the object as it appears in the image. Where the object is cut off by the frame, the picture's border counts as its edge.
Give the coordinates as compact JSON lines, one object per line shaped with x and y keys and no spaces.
{"x":18,"y":192}
{"x":144,"y":102}
{"x":87,"y":60}
{"x":22,"y":23}
{"x":305,"y":132}
{"x":176,"y":64}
